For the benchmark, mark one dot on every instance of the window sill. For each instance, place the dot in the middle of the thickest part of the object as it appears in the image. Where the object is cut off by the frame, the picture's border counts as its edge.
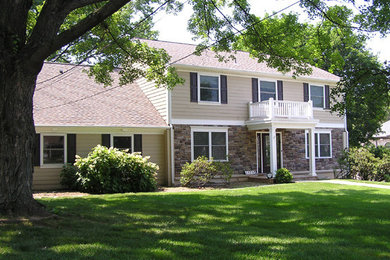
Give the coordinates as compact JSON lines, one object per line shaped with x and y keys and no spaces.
{"x":212,"y":103}
{"x":52,"y":166}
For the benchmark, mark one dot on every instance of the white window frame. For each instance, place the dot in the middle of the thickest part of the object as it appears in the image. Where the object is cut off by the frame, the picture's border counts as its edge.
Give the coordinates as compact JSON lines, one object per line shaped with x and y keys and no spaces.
{"x":259,"y":89}
{"x":123,"y":135}
{"x":219,"y":89}
{"x":52,"y":165}
{"x":323,"y":96}
{"x":210,"y":130}
{"x":318,"y":132}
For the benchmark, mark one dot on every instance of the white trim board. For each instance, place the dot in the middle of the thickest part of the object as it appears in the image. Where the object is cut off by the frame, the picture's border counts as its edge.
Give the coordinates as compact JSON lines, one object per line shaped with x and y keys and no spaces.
{"x":177,"y":121}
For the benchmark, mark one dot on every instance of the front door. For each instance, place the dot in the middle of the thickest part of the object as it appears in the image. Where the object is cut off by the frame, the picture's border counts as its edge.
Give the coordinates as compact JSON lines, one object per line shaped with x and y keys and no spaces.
{"x":263,"y":141}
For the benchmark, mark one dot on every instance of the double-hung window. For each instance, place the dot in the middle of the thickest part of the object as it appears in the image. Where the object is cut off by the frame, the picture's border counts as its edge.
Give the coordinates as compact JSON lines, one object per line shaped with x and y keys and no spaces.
{"x":267,"y":90}
{"x":123,"y":142}
{"x":209,"y":88}
{"x":317,"y":96}
{"x":323,"y":144}
{"x":53,"y":150}
{"x":210,"y":143}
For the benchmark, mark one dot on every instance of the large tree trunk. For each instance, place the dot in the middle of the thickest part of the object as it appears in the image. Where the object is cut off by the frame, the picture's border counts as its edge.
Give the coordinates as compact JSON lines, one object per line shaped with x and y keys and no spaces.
{"x":17,"y":131}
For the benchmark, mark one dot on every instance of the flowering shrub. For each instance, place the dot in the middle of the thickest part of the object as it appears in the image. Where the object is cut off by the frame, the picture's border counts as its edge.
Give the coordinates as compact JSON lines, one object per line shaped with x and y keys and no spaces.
{"x":109,"y":170}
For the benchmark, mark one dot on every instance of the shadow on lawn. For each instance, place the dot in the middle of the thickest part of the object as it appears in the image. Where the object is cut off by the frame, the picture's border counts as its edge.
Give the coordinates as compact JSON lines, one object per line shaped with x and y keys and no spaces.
{"x":323,"y":223}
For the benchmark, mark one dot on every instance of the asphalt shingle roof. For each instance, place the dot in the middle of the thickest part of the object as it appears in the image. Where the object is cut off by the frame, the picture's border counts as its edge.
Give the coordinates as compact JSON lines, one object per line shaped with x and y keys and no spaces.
{"x":66,"y":96}
{"x":242,"y":62}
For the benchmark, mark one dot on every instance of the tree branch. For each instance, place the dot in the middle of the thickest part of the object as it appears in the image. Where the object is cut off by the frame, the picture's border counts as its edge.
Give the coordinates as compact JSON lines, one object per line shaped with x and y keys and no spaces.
{"x":45,"y":40}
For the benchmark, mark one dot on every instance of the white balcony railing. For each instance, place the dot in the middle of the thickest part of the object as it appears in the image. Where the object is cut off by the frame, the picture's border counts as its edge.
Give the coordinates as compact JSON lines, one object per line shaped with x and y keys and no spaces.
{"x":272,"y":109}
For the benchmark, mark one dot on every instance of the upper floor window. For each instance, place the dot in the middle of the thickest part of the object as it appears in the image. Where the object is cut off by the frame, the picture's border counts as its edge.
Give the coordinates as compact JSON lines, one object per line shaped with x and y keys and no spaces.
{"x":323,"y":146}
{"x":53,"y":149}
{"x":210,"y":143}
{"x":267,"y":90}
{"x":317,"y":96}
{"x":209,"y":88}
{"x":123,"y":143}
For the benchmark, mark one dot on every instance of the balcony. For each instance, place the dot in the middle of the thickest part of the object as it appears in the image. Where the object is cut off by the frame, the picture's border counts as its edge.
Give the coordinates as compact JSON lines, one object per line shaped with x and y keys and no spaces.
{"x":275,"y":110}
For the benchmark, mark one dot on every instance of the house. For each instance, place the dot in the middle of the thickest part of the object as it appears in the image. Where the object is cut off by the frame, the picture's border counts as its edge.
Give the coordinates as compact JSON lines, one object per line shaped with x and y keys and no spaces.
{"x":382,"y":138}
{"x":242,"y":111}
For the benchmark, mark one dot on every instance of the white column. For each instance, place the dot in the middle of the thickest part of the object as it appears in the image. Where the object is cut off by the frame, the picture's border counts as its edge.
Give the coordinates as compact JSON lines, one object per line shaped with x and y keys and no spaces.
{"x":273,"y":156}
{"x":312,"y":153}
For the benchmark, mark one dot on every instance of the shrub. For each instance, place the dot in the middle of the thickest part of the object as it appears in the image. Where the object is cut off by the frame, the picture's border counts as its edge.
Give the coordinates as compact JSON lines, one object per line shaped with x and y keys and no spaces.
{"x":69,"y":177}
{"x":225,"y":170}
{"x":109,"y":170}
{"x":365,"y":163}
{"x":198,"y":173}
{"x":283,"y":176}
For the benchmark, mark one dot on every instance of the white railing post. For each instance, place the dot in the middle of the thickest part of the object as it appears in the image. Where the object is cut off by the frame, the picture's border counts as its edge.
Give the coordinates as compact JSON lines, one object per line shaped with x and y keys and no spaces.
{"x":250,"y":110}
{"x":310,"y":109}
{"x":271,"y":107}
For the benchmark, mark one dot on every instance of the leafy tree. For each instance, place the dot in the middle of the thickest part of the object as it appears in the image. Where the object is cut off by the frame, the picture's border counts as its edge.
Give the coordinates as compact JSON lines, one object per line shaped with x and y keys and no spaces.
{"x":32,"y":31}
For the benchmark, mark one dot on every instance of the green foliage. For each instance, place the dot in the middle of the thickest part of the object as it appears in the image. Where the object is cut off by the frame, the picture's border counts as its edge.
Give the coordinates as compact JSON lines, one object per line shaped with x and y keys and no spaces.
{"x":109,"y":170}
{"x":283,"y":176}
{"x":198,"y":173}
{"x":69,"y":177}
{"x":366,"y":163}
{"x":201,"y":171}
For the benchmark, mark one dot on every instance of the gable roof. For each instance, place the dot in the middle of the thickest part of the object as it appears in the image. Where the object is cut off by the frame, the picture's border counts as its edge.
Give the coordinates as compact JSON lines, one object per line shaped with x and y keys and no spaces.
{"x":181,"y":52}
{"x":66,"y":96}
{"x":385,"y":130}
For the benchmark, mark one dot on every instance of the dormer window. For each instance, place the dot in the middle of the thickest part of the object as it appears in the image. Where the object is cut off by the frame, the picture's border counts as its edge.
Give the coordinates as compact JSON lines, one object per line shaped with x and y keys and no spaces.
{"x":209,"y":88}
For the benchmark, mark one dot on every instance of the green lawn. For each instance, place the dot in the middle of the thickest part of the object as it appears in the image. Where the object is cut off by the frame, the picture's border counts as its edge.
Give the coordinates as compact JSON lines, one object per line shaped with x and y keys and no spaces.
{"x":369,"y":182}
{"x":293,"y":221}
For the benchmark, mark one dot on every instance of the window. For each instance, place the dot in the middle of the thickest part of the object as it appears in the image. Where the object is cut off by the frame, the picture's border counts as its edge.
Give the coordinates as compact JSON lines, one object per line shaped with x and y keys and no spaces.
{"x":209,"y":89}
{"x":123,"y":142}
{"x":210,"y":143}
{"x":317,"y":96}
{"x":322,"y":143}
{"x":267,"y":90}
{"x":53,"y":149}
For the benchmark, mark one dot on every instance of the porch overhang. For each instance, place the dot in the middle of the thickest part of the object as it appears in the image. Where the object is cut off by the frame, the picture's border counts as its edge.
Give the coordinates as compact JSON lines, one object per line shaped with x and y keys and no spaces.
{"x":260,"y":124}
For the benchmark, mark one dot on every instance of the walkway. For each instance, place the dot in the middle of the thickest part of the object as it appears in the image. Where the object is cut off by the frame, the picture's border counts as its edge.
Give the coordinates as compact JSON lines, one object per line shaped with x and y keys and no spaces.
{"x":357,"y":184}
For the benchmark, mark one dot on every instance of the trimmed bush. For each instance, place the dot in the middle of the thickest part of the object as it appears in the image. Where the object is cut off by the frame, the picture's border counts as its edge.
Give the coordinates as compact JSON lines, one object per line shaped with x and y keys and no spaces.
{"x":283,"y":176}
{"x":201,"y":171}
{"x":109,"y":170}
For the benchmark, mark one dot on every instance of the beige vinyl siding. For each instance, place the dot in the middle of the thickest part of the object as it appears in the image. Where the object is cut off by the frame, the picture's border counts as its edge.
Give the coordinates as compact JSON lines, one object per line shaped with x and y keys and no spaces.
{"x":46,"y":178}
{"x":239,"y":94}
{"x":155,"y":147}
{"x":85,"y":143}
{"x":293,"y":91}
{"x":157,"y":96}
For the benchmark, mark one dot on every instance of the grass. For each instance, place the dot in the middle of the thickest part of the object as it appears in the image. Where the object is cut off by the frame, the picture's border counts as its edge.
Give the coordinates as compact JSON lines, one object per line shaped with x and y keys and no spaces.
{"x":293,"y":221}
{"x":369,"y":182}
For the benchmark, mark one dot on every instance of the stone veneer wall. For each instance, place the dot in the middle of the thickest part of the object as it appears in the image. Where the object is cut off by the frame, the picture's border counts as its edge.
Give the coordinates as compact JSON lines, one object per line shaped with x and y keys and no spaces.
{"x":241,"y":147}
{"x":294,"y":157}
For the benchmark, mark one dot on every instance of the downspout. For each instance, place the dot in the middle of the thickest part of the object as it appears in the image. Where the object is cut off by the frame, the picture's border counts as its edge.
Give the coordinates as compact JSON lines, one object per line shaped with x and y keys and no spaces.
{"x":346,"y":129}
{"x":171,"y":138}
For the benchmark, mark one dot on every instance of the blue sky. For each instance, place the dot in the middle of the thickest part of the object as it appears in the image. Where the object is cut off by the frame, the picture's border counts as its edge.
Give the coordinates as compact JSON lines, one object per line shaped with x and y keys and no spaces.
{"x":174,"y":28}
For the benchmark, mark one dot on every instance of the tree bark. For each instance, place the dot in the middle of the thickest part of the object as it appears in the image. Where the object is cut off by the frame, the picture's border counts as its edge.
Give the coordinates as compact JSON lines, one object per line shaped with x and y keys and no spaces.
{"x":17,"y":139}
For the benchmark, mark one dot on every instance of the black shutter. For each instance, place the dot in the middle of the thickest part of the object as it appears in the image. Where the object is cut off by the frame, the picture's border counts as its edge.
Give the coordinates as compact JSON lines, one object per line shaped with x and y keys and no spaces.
{"x":255,"y":90}
{"x":106,"y":140}
{"x":138,"y":143}
{"x":37,"y":150}
{"x":194,"y":86}
{"x":280,"y":90}
{"x":305,"y":92}
{"x":71,"y":147}
{"x":224,"y":89}
{"x":327,"y":97}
